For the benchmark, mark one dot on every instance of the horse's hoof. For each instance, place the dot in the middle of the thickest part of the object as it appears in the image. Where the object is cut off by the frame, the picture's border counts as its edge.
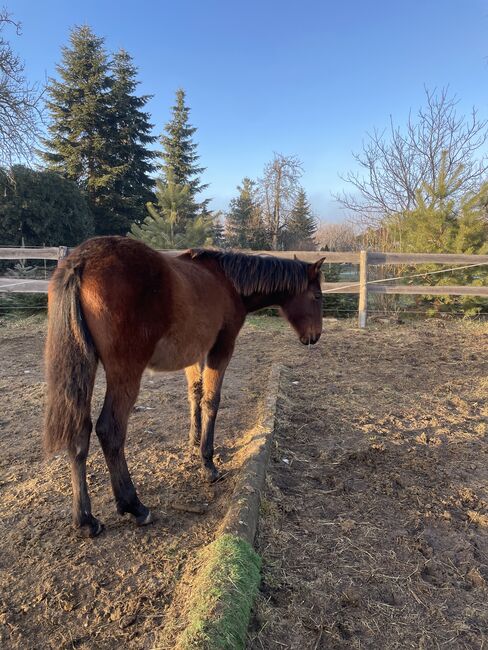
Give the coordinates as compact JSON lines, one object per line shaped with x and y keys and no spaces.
{"x":211,"y":474}
{"x":89,"y":528}
{"x":145,"y":518}
{"x":193,"y":449}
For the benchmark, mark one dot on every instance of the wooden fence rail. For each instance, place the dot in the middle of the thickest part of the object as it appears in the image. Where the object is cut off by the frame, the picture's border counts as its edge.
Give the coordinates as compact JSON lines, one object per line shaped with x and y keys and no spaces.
{"x":362,"y":258}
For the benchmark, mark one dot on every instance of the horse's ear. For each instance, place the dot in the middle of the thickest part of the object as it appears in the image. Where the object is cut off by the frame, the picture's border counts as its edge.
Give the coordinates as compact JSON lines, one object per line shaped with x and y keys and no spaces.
{"x":294,"y":256}
{"x":314,"y":269}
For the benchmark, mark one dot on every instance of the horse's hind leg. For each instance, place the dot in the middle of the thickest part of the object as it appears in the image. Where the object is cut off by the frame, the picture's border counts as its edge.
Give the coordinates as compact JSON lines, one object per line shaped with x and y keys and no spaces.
{"x":111,"y":429}
{"x":195,"y":393}
{"x":78,"y":452}
{"x":213,"y":375}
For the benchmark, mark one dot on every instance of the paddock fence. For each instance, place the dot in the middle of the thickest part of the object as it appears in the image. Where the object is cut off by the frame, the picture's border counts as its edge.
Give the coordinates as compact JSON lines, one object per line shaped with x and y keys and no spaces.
{"x":362,"y":259}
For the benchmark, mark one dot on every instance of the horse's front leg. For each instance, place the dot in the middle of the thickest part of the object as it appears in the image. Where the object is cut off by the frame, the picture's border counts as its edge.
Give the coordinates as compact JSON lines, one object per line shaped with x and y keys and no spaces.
{"x":213,"y":376}
{"x":195,"y":393}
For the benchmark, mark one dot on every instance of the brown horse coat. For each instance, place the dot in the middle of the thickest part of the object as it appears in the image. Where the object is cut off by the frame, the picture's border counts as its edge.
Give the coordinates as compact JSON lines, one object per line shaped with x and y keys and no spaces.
{"x":118,"y":301}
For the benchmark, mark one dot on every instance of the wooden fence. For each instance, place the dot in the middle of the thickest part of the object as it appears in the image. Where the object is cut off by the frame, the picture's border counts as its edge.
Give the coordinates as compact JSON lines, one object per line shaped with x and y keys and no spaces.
{"x":364,"y":259}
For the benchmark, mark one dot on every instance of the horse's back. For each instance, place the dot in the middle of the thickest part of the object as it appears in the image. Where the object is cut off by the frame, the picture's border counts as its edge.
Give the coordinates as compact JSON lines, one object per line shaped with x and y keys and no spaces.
{"x":146,"y":307}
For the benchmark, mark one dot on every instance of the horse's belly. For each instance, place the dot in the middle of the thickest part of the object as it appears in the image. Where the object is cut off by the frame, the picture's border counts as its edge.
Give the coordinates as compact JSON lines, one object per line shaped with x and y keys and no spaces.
{"x":172,"y":355}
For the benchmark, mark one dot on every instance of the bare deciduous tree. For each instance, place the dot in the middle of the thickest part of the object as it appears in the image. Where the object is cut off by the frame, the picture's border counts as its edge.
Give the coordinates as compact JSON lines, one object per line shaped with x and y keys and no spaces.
{"x":338,"y":237}
{"x":397,"y":162}
{"x":19,"y":103}
{"x":279,"y":188}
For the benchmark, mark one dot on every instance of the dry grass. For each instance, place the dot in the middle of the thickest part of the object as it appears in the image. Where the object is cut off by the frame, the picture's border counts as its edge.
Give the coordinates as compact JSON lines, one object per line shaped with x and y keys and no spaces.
{"x":374,"y":530}
{"x":57,"y":591}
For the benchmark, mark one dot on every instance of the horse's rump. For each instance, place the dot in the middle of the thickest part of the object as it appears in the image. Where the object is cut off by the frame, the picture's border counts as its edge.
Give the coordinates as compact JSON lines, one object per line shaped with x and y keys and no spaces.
{"x":144,"y":308}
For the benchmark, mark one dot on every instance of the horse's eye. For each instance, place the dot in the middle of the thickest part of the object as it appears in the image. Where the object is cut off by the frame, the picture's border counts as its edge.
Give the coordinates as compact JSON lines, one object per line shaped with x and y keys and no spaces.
{"x":318,"y":296}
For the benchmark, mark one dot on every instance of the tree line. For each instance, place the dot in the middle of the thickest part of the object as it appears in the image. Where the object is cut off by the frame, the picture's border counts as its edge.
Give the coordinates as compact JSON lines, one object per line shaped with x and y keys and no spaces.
{"x":102,"y":170}
{"x":421,"y":186}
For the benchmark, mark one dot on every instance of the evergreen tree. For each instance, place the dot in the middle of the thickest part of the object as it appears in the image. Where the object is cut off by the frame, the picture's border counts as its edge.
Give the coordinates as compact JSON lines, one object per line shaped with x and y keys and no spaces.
{"x":41,"y":208}
{"x":472,"y":237}
{"x":133,"y":187}
{"x":82,"y":131}
{"x":441,"y":223}
{"x":167,"y":225}
{"x":179,"y":153}
{"x":244,"y":224}
{"x":301,"y":225}
{"x":472,"y":231}
{"x":432,"y":226}
{"x":239,"y":218}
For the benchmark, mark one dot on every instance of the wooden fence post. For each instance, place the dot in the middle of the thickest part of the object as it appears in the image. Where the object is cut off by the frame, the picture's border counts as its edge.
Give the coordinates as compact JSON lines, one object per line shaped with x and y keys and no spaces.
{"x":363,"y":289}
{"x":63,"y":252}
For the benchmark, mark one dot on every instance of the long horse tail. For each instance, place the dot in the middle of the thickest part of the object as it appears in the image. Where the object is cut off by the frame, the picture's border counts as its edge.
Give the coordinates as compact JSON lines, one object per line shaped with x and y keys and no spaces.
{"x":70,"y":360}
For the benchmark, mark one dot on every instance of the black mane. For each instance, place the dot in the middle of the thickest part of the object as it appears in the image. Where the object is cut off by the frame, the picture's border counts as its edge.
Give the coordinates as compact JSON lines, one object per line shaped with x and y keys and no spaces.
{"x":258,"y":273}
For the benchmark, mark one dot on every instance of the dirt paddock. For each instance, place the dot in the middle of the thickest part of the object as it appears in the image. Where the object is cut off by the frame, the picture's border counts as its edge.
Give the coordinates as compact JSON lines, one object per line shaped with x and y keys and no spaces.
{"x":59,"y":591}
{"x":374,"y":525}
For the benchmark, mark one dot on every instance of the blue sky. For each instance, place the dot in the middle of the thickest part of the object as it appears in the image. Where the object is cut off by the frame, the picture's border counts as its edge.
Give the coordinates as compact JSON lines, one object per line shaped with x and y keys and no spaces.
{"x":308,"y":78}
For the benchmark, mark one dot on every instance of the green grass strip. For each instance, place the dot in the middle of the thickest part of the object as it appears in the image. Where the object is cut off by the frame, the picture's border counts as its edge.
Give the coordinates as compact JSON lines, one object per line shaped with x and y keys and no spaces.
{"x":222,"y":596}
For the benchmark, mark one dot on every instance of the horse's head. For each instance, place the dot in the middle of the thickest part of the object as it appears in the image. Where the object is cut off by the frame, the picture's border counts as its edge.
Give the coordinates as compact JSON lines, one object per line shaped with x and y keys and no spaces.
{"x":304,"y":310}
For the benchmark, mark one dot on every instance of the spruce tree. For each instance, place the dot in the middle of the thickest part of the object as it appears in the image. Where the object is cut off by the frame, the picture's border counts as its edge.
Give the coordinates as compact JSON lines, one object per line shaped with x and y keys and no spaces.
{"x":167,"y":225}
{"x":133,"y":187}
{"x":472,"y":231}
{"x":432,"y":225}
{"x":244,"y":225}
{"x":301,"y":225}
{"x":239,"y":217}
{"x":41,"y":208}
{"x":163,"y":226}
{"x":81,"y":133}
{"x":179,"y":153}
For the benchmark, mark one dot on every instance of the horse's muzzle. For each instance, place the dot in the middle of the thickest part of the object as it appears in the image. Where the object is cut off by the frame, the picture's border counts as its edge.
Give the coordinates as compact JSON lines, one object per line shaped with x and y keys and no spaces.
{"x":309,"y":340}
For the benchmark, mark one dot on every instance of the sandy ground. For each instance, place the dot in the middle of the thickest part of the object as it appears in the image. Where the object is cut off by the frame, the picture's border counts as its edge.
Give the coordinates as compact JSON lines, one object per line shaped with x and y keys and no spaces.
{"x":374,"y":528}
{"x":57,"y":591}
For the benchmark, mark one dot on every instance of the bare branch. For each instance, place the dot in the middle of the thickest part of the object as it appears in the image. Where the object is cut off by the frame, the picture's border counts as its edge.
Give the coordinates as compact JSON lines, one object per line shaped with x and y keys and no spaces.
{"x":278,"y":190}
{"x":338,"y":237}
{"x":20,"y":112}
{"x":396,"y":163}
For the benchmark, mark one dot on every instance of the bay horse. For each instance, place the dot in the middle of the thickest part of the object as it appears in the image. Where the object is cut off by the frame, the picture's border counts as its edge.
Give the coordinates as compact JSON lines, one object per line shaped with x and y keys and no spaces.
{"x":116,"y":300}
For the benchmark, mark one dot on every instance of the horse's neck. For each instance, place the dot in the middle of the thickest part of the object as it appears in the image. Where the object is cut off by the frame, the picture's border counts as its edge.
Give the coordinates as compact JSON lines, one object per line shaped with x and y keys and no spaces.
{"x":260,"y":301}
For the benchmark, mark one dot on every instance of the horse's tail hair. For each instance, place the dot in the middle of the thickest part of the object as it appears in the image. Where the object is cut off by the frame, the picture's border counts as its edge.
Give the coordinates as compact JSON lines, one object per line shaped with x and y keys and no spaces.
{"x":70,"y":360}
